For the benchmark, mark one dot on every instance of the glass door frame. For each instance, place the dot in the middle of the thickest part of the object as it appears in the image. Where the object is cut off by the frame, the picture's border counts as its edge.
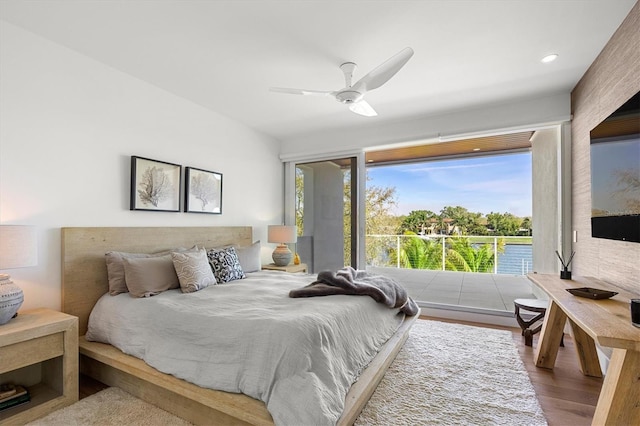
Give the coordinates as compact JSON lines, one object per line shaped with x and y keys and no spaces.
{"x":358,"y":175}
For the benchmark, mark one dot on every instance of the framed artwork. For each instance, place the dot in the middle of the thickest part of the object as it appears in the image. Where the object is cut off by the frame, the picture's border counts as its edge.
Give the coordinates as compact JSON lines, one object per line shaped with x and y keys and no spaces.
{"x":155,"y":185}
{"x":203,"y":192}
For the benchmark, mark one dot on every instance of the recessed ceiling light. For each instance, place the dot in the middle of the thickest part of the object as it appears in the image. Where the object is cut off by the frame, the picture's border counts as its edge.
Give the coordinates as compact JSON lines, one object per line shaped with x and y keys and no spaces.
{"x":550,"y":58}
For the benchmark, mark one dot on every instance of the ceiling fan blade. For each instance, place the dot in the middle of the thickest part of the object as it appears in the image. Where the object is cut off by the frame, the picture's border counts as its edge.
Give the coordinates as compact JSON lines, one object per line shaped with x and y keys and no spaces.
{"x":383,"y":72}
{"x":363,"y":108}
{"x":299,"y":91}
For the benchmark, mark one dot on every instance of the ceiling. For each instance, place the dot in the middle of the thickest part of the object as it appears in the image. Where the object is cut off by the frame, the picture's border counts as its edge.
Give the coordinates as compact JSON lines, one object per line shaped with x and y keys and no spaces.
{"x":224,"y":55}
{"x":498,"y":144}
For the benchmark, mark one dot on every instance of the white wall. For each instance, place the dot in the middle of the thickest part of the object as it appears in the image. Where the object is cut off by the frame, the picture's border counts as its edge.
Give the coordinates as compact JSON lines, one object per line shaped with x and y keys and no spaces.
{"x":68,"y":126}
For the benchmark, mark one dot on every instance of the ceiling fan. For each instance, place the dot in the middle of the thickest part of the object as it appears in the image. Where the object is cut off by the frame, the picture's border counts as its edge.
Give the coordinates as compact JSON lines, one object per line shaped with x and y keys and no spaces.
{"x":353,"y":95}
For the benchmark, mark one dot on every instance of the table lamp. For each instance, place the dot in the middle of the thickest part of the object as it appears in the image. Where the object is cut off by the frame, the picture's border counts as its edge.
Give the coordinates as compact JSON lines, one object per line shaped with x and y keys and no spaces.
{"x":283,"y":235}
{"x":18,"y":249}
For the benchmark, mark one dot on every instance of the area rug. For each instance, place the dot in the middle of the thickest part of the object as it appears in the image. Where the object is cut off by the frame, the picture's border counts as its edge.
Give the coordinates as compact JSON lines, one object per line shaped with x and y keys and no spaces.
{"x":453,"y":374}
{"x":110,"y":407}
{"x":446,"y":374}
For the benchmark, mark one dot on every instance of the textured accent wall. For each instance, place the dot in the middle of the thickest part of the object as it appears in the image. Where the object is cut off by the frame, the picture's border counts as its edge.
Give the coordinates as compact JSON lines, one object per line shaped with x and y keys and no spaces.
{"x":610,"y":81}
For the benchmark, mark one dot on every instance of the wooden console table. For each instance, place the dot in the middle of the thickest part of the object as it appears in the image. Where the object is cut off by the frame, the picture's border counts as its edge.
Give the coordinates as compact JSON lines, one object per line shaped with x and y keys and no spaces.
{"x":607,"y":322}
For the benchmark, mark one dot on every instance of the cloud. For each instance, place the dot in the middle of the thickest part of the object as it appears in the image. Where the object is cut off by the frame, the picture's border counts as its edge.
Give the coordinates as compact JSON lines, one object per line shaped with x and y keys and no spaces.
{"x":436,"y":168}
{"x":509,"y":185}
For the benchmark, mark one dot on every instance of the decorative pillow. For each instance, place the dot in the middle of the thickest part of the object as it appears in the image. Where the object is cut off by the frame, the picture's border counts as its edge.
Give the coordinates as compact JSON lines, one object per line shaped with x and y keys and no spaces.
{"x":249,"y":257}
{"x":115,"y":267}
{"x":148,"y":276}
{"x":194,"y":271}
{"x":225,"y":264}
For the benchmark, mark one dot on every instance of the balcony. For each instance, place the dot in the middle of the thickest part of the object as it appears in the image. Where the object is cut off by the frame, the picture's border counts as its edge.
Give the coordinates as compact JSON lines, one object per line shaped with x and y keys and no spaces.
{"x":488,"y":293}
{"x":476,"y":291}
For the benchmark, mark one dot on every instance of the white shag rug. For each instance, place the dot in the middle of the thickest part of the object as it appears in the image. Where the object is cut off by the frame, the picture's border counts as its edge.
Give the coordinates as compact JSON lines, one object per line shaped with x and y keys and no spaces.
{"x":446,"y":374}
{"x":453,"y":374}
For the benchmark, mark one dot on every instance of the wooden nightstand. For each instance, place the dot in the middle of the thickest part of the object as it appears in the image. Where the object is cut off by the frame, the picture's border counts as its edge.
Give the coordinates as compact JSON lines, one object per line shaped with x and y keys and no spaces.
{"x":289,"y":268}
{"x":39,"y":350}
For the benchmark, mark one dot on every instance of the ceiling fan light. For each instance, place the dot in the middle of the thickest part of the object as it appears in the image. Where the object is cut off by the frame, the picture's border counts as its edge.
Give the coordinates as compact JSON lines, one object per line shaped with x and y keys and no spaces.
{"x":363,"y":108}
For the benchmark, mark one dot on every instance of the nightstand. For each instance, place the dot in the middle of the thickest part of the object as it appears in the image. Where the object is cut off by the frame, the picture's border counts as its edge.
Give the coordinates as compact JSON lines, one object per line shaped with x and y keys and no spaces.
{"x":289,"y":268}
{"x":39,"y":350}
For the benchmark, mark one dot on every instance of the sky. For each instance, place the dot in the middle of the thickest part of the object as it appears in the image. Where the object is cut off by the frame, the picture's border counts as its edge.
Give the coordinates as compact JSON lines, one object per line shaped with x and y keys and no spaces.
{"x":499,"y":184}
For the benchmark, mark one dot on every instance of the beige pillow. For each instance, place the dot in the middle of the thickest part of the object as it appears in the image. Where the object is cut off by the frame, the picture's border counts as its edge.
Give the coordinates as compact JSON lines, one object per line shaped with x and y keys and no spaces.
{"x":148,"y":276}
{"x":115,"y":267}
{"x":194,"y":271}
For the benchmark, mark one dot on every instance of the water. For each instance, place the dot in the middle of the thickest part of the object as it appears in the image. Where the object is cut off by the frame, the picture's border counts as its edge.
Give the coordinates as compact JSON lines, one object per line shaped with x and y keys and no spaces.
{"x":515,"y":258}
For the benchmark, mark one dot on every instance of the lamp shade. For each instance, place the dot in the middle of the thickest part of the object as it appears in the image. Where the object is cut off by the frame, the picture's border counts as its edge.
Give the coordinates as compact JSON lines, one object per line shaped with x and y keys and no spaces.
{"x":18,"y":246}
{"x":282,"y":234}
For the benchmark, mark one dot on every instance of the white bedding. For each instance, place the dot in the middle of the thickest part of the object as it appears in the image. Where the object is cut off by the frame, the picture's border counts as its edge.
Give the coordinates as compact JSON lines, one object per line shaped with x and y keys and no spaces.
{"x":299,"y":356}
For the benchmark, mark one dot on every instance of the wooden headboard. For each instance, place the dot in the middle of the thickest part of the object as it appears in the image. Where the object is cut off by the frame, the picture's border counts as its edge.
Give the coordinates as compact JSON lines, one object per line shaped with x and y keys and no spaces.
{"x":84,"y":270}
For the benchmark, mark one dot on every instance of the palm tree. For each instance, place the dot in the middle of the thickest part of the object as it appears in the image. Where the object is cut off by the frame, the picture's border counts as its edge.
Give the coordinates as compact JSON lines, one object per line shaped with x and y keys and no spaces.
{"x":463,"y":256}
{"x":418,"y":253}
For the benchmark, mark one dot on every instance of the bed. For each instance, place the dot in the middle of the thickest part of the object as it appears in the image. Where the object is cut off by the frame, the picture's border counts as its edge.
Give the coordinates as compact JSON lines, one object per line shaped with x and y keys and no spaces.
{"x":85,"y":281}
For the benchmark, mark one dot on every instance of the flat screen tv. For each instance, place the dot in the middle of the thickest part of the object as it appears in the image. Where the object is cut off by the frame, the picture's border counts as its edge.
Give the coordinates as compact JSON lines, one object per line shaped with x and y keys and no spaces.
{"x":615,"y":174}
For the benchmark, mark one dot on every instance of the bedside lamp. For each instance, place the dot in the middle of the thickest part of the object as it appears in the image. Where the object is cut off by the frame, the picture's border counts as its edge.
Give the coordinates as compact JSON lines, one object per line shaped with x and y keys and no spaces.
{"x":18,"y":249}
{"x":282,"y":234}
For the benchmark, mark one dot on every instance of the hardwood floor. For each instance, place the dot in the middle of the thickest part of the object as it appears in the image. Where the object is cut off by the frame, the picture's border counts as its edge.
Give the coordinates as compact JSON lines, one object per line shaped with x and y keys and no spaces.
{"x":566,"y":396}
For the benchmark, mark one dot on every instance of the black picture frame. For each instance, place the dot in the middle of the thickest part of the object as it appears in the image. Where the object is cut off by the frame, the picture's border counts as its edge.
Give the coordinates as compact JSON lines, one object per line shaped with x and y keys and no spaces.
{"x":155,"y":185}
{"x":203,"y":191}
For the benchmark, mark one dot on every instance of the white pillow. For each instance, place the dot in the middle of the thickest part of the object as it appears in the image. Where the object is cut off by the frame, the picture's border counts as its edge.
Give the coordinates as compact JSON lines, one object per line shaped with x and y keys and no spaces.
{"x":249,"y":257}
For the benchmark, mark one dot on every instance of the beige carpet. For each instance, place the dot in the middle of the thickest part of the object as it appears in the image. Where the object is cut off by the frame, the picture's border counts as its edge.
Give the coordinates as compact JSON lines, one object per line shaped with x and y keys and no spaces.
{"x":110,"y":407}
{"x":446,"y":374}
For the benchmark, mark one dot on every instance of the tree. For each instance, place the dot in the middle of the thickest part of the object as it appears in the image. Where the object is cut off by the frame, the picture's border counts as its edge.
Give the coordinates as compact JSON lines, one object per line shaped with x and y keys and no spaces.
{"x":418,"y":253}
{"x":526,"y":225}
{"x":299,"y":208}
{"x":155,"y":185}
{"x":468,"y":223}
{"x":417,"y":221}
{"x":379,"y":203}
{"x":503,"y":224}
{"x":463,"y":256}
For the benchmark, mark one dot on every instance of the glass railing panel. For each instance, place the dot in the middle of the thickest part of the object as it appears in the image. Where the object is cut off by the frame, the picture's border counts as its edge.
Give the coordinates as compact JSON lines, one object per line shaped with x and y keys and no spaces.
{"x":483,"y":254}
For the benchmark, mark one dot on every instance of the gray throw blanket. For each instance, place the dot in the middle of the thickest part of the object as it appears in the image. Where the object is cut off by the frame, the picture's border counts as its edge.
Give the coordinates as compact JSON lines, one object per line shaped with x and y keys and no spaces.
{"x":355,"y":282}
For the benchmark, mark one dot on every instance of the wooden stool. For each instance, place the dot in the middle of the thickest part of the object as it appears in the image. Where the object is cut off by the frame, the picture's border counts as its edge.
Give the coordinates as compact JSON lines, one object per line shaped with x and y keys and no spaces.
{"x":532,"y":305}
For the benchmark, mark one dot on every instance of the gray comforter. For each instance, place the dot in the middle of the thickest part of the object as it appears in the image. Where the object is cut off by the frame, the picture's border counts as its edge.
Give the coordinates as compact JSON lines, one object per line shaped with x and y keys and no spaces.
{"x":299,"y":356}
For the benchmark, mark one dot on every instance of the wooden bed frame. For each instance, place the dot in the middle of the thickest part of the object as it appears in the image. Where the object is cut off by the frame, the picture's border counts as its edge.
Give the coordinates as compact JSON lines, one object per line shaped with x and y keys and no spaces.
{"x":84,"y":280}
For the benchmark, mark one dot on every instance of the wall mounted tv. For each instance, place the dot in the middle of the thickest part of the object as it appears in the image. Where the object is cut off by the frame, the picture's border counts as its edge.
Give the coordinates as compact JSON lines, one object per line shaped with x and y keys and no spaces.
{"x":615,"y":174}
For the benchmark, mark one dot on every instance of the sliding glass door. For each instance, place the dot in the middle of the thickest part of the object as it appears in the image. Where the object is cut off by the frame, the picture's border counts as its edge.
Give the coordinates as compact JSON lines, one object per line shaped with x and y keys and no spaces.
{"x":326,"y":213}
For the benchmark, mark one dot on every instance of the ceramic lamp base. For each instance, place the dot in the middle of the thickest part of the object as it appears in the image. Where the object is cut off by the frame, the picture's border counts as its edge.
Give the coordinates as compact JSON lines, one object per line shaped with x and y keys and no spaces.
{"x":282,"y":255}
{"x":11,"y":298}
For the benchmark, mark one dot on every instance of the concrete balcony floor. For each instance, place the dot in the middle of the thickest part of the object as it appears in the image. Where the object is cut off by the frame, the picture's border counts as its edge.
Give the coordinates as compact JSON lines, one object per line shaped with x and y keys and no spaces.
{"x":481,"y":293}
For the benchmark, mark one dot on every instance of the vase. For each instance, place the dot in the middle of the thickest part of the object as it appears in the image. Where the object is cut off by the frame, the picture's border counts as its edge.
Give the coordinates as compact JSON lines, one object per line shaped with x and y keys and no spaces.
{"x":11,"y":298}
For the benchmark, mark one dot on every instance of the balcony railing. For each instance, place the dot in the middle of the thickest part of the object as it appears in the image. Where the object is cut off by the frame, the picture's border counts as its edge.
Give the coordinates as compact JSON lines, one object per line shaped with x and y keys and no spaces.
{"x":484,"y":254}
